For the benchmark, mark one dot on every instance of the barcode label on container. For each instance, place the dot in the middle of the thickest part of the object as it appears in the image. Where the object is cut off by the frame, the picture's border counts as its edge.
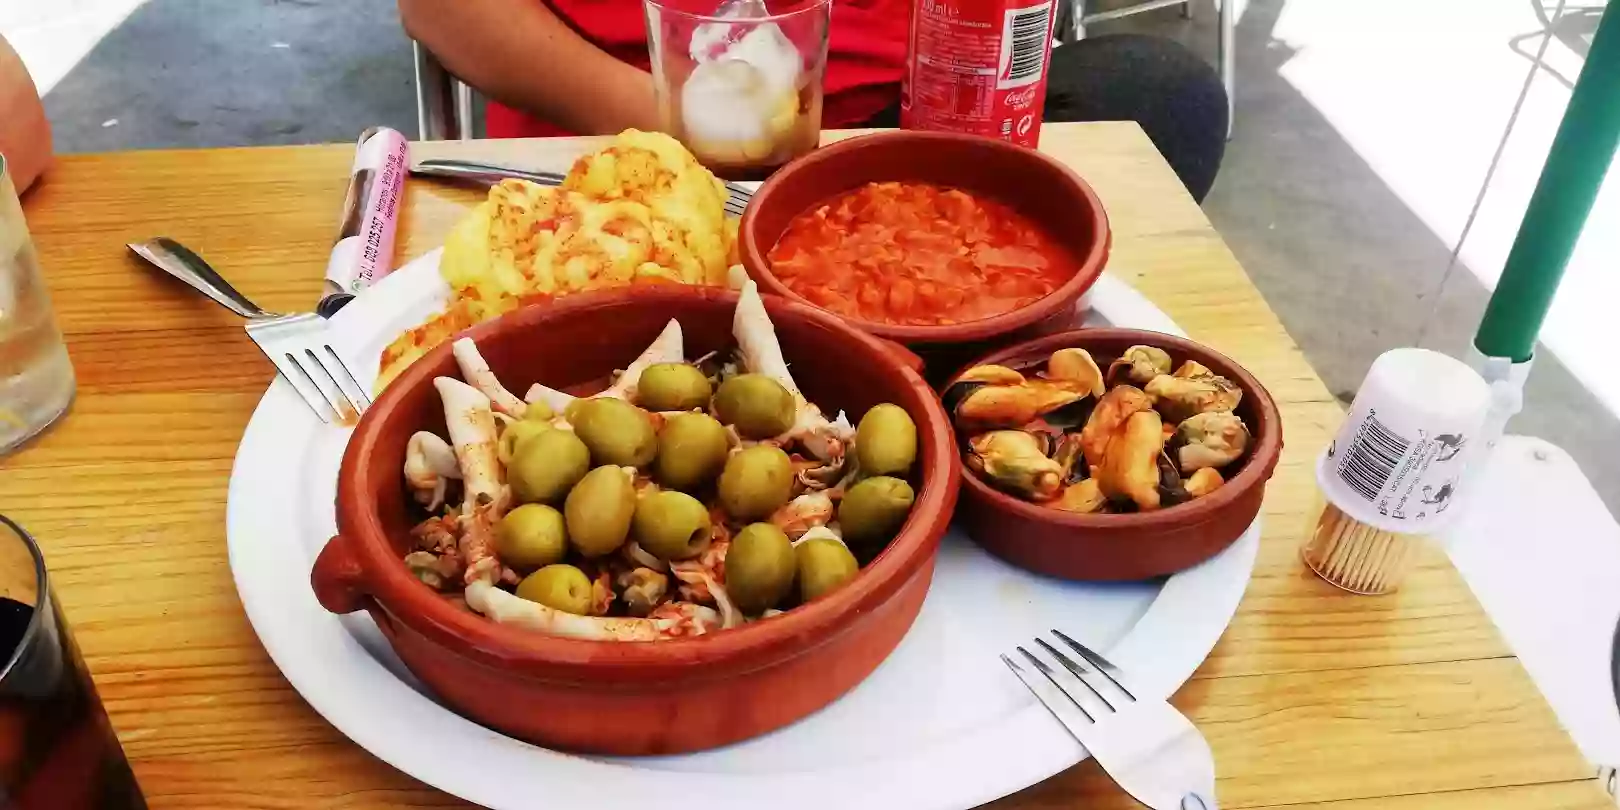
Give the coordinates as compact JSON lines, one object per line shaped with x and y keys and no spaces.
{"x":1371,"y":459}
{"x":1026,"y":35}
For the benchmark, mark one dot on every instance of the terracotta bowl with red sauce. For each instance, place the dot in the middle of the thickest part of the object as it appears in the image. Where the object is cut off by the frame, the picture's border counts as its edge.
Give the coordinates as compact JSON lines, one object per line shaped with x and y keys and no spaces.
{"x":1038,"y":191}
{"x":1133,"y":546}
{"x":631,"y":698}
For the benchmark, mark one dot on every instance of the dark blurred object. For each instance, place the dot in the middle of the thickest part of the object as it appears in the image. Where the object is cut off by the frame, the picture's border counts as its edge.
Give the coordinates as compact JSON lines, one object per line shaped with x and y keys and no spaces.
{"x":1169,"y":91}
{"x":57,"y":749}
{"x":1614,"y":666}
{"x":1072,"y":19}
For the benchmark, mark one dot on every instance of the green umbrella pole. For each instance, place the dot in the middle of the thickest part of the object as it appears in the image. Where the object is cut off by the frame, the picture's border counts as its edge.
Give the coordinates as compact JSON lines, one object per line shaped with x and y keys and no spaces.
{"x":1563,"y":198}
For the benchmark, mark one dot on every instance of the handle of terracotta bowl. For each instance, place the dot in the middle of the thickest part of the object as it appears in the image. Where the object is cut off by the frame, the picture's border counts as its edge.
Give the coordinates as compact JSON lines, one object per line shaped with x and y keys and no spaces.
{"x":907,"y":357}
{"x":337,"y":577}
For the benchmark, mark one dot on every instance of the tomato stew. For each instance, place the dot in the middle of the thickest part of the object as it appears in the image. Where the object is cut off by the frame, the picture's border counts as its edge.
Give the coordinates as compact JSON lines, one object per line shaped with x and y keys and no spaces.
{"x":918,"y":254}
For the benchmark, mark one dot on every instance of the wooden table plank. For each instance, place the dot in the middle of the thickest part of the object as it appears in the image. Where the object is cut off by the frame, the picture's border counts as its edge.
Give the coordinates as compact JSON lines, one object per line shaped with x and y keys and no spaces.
{"x":1313,"y":698}
{"x":1565,"y":796}
{"x":1582,"y":794}
{"x":1338,"y":735}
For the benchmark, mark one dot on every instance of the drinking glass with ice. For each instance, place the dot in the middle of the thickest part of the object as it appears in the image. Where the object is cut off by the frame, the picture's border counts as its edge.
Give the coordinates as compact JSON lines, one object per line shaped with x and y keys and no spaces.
{"x":36,"y":377}
{"x":740,"y":82}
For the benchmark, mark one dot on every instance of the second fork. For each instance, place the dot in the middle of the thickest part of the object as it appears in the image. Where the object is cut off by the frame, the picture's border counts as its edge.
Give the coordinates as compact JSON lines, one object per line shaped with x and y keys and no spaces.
{"x":1149,"y":749}
{"x":737,"y":195}
{"x":298,"y":344}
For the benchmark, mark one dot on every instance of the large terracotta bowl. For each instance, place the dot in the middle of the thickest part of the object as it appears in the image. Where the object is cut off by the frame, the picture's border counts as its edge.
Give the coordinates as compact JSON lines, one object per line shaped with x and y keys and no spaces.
{"x":1137,"y":545}
{"x":635,"y":697}
{"x":1030,"y":182}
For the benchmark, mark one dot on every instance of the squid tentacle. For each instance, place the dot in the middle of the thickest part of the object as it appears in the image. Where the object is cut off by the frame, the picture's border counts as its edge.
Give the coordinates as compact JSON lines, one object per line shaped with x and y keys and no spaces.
{"x":762,"y":354}
{"x":667,"y":621}
{"x":475,"y":370}
{"x":471,"y":422}
{"x":429,"y":464}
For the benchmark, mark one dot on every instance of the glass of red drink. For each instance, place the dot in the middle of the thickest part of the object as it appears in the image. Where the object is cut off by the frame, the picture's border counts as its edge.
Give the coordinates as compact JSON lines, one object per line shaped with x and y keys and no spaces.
{"x":57,"y":749}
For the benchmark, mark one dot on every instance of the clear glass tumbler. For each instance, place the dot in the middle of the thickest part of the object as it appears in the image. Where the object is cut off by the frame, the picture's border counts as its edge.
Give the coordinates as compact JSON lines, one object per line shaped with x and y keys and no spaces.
{"x":739,"y":81}
{"x":57,"y":749}
{"x":36,"y":377}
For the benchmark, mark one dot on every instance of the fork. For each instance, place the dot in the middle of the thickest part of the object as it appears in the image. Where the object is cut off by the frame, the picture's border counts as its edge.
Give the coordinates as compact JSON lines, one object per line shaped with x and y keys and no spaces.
{"x":297,"y":344}
{"x":1149,"y":749}
{"x":737,"y":195}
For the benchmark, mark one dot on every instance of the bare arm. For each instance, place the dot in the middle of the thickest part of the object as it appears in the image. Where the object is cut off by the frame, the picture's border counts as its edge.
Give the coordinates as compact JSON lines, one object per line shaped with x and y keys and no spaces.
{"x":25,"y":137}
{"x":520,"y":53}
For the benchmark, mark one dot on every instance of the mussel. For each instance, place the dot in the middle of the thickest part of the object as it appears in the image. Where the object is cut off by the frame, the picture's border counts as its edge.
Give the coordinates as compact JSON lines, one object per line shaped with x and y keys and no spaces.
{"x":1209,"y":439}
{"x":1016,"y":461}
{"x":990,"y":397}
{"x":1130,"y":464}
{"x":1075,"y":366}
{"x":1193,"y":368}
{"x":1067,"y":453}
{"x":1108,"y":417}
{"x":1179,"y":398}
{"x":1138,"y":365}
{"x":992,"y":374}
{"x":1203,"y":482}
{"x":1172,"y":490}
{"x":1007,"y":406}
{"x":1084,"y":497}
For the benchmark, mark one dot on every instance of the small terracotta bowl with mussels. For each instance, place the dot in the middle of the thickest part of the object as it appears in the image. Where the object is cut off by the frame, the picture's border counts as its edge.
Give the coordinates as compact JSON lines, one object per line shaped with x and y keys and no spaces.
{"x":1111,"y":454}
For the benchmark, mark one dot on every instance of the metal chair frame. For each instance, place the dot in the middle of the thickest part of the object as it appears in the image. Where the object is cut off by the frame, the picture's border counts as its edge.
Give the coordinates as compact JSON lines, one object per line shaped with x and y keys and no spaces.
{"x":444,"y":104}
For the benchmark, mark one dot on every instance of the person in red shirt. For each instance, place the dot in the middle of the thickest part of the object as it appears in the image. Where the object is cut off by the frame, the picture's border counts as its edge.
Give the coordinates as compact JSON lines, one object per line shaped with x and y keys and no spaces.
{"x":580,"y":67}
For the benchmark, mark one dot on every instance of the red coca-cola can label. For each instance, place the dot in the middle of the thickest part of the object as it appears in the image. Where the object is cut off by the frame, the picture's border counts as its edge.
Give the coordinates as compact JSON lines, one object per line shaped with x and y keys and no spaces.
{"x":978,"y":66}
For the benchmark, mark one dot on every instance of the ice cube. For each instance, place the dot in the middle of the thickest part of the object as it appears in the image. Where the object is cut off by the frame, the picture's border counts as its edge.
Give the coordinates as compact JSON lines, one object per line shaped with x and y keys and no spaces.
{"x":732,"y":112}
{"x":772,"y":54}
{"x":711,"y":40}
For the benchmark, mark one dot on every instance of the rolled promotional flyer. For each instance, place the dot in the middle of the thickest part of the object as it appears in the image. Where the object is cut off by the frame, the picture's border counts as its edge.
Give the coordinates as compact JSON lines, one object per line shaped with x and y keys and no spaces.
{"x":1394,"y":470}
{"x":364,"y":251}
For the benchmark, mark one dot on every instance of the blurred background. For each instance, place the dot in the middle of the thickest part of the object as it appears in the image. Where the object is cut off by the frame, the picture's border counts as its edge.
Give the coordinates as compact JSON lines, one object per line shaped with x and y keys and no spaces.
{"x":1354,"y":188}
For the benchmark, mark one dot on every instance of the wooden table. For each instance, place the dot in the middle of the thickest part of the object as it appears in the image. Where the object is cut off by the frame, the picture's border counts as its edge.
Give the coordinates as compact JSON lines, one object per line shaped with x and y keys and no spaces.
{"x":1313,"y":698}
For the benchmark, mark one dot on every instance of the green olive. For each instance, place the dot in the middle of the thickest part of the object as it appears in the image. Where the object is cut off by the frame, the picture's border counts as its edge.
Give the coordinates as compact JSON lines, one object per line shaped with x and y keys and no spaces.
{"x":516,"y":433}
{"x":886,"y":441}
{"x":546,"y":465}
{"x":672,"y":387}
{"x":758,"y":406}
{"x":755,"y":482}
{"x":538,"y":411}
{"x":571,"y":410}
{"x":691,"y":451}
{"x":560,"y":587}
{"x":824,"y":564}
{"x":616,"y":432}
{"x":672,"y":525}
{"x":873,"y":509}
{"x":760,"y":567}
{"x":598,"y":511}
{"x":531,"y":536}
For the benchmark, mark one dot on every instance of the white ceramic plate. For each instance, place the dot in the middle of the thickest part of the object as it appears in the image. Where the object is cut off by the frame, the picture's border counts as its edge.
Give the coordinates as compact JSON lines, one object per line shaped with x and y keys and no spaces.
{"x":940,"y":724}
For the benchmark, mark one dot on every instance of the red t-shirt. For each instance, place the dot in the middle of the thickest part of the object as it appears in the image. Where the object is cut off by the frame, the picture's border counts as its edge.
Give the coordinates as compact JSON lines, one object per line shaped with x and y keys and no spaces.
{"x":866,"y":55}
